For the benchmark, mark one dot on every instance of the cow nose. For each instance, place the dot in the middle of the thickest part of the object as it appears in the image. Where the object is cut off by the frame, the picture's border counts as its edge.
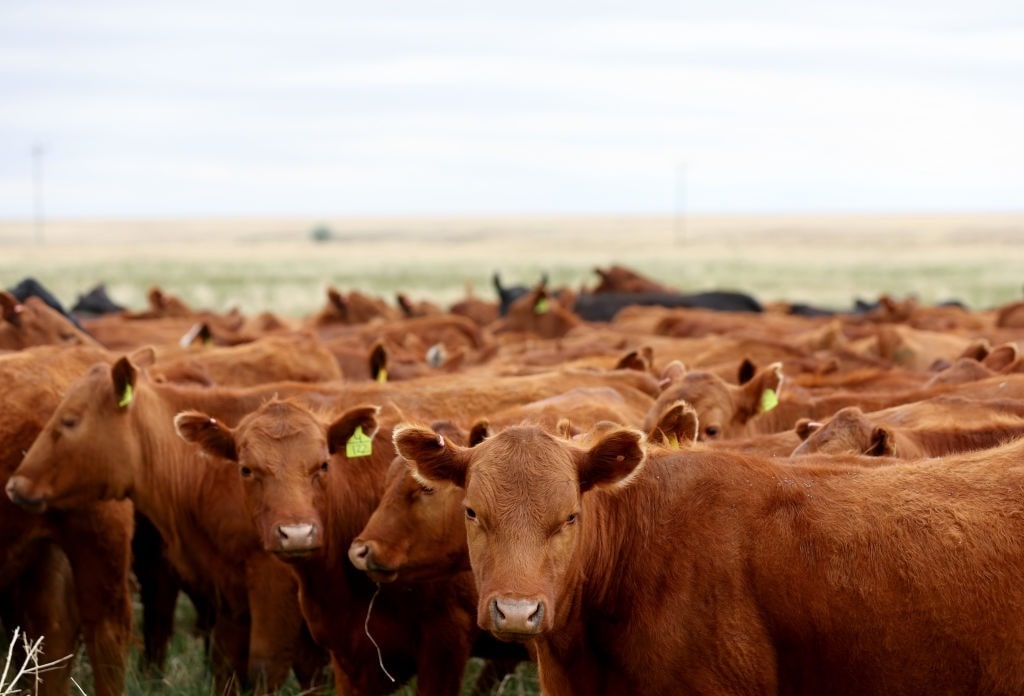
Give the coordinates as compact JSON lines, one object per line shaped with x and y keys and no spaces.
{"x":16,"y":491}
{"x":297,"y":537}
{"x":520,"y":616}
{"x":358,"y":553}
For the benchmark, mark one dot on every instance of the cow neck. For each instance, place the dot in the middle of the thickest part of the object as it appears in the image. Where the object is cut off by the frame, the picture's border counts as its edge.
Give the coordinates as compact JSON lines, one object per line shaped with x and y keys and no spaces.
{"x":619,"y":526}
{"x":355,"y":488}
{"x":172,"y":478}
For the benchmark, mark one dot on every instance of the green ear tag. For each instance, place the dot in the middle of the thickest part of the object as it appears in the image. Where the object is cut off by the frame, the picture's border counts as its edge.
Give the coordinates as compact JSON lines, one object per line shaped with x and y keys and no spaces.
{"x":769,"y":400}
{"x":359,"y":445}
{"x":542,"y":306}
{"x":382,"y":375}
{"x":126,"y":398}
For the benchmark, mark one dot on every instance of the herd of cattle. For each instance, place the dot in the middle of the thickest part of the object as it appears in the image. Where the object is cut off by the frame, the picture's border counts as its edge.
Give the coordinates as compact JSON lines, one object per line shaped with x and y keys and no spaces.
{"x":643,"y":492}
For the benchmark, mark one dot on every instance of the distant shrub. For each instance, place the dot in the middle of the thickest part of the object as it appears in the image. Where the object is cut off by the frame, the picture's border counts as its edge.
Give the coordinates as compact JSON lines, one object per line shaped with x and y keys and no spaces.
{"x":322,"y":233}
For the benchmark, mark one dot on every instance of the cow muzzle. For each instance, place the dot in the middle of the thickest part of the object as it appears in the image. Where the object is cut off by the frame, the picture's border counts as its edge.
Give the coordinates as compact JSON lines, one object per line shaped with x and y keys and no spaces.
{"x":18,"y":490}
{"x":297,"y":538}
{"x":362,"y":555}
{"x":515,"y":618}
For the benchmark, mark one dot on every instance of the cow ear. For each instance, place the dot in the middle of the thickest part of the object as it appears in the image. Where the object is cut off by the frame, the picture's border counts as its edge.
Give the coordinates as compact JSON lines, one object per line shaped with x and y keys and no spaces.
{"x":211,"y":435}
{"x":677,"y":424}
{"x":379,"y":362}
{"x":353,"y":431}
{"x":10,"y":307}
{"x":143,"y":357}
{"x":761,"y":392}
{"x":746,"y":372}
{"x":123,"y":375}
{"x":672,"y":373}
{"x":883,"y":442}
{"x":430,"y":456}
{"x":480,"y":431}
{"x":1001,"y":357}
{"x":805,"y":427}
{"x":613,"y":462}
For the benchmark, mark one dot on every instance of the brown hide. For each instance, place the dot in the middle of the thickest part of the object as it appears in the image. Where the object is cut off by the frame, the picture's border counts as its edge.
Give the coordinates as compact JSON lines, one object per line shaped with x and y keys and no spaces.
{"x":425,"y":628}
{"x":714,"y":572}
{"x":106,"y":441}
{"x":35,"y":549}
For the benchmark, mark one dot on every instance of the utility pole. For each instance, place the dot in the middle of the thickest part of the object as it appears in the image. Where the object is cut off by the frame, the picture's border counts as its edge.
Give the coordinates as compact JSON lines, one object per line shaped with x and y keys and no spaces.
{"x":37,"y":188}
{"x":679,"y":212}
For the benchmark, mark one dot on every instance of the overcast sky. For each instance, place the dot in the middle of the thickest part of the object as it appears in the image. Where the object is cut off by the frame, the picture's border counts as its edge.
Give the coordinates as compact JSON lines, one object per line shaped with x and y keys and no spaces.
{"x":330,"y":107}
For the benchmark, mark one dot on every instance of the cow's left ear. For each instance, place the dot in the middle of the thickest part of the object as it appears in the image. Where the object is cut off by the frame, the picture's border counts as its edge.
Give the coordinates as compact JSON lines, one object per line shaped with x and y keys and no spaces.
{"x":883,"y":442}
{"x":430,"y":456}
{"x":354,"y":431}
{"x":613,"y":462}
{"x":761,"y":392}
{"x":210,"y":434}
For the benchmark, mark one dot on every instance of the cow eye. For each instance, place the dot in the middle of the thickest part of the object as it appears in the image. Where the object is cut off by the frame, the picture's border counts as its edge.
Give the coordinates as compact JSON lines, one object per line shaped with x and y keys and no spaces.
{"x":711,"y":431}
{"x":471,"y":514}
{"x":246,"y":472}
{"x":427,"y":490}
{"x":323,"y":465}
{"x":68,"y":422}
{"x":571,"y":519}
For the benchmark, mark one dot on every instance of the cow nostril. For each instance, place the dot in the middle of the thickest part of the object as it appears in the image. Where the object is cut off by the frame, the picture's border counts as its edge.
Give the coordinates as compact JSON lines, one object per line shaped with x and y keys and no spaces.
{"x":534,"y":619}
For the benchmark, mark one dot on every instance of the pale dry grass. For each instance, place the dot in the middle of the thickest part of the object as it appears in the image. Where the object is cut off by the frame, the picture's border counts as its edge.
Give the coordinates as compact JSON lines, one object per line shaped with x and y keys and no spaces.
{"x":273,"y":264}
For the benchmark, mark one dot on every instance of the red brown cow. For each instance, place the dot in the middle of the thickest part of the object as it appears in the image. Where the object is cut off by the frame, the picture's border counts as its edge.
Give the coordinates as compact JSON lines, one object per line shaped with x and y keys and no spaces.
{"x":930,"y":428}
{"x":112,"y":437}
{"x":35,"y":323}
{"x":711,"y":572}
{"x":310,"y":486}
{"x":96,"y":539}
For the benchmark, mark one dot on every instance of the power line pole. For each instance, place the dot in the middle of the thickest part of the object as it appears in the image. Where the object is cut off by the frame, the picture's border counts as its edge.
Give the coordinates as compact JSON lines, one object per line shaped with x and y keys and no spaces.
{"x":679,"y":213}
{"x":37,"y":188}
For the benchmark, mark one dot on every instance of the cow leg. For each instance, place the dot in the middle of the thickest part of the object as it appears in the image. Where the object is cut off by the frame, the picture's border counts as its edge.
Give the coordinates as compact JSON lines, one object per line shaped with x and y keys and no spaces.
{"x":276,"y":620}
{"x":42,"y":605}
{"x":311,"y":664}
{"x":159,"y":585}
{"x":443,"y":655}
{"x":229,"y":650}
{"x":98,"y":544}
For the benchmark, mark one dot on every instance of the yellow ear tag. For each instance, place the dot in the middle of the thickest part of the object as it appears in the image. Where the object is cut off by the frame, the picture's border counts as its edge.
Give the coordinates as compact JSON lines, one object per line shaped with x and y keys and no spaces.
{"x":359,"y":445}
{"x":769,"y":400}
{"x":673,"y":441}
{"x":542,"y":306}
{"x":126,"y":398}
{"x":382,"y":375}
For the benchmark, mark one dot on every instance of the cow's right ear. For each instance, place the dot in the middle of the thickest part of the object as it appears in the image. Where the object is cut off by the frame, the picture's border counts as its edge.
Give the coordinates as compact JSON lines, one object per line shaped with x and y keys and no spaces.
{"x":677,"y":425}
{"x":210,"y":434}
{"x":613,"y":462}
{"x":430,"y":456}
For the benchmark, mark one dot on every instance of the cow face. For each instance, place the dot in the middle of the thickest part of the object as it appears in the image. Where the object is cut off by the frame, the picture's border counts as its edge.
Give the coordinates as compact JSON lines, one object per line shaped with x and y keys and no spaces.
{"x":524,"y":514}
{"x":88,"y":449}
{"x":34,"y":323}
{"x":415,"y":532}
{"x":283,"y":453}
{"x":848,"y":431}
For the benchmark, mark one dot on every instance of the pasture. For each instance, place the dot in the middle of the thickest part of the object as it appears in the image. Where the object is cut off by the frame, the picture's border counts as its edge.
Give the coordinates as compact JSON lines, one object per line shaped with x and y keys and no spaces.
{"x":276,"y":265}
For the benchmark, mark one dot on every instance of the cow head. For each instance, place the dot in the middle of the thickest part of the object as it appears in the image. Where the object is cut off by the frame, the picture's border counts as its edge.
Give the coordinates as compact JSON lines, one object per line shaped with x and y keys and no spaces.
{"x":848,"y":431}
{"x":723,"y":409}
{"x":35,"y":323}
{"x":416,"y":532}
{"x":284,"y":455}
{"x":88,"y":450}
{"x":525,"y":513}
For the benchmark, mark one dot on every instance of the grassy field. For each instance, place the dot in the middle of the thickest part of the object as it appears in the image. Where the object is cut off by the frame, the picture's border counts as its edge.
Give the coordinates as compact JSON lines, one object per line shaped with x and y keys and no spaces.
{"x":276,"y":265}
